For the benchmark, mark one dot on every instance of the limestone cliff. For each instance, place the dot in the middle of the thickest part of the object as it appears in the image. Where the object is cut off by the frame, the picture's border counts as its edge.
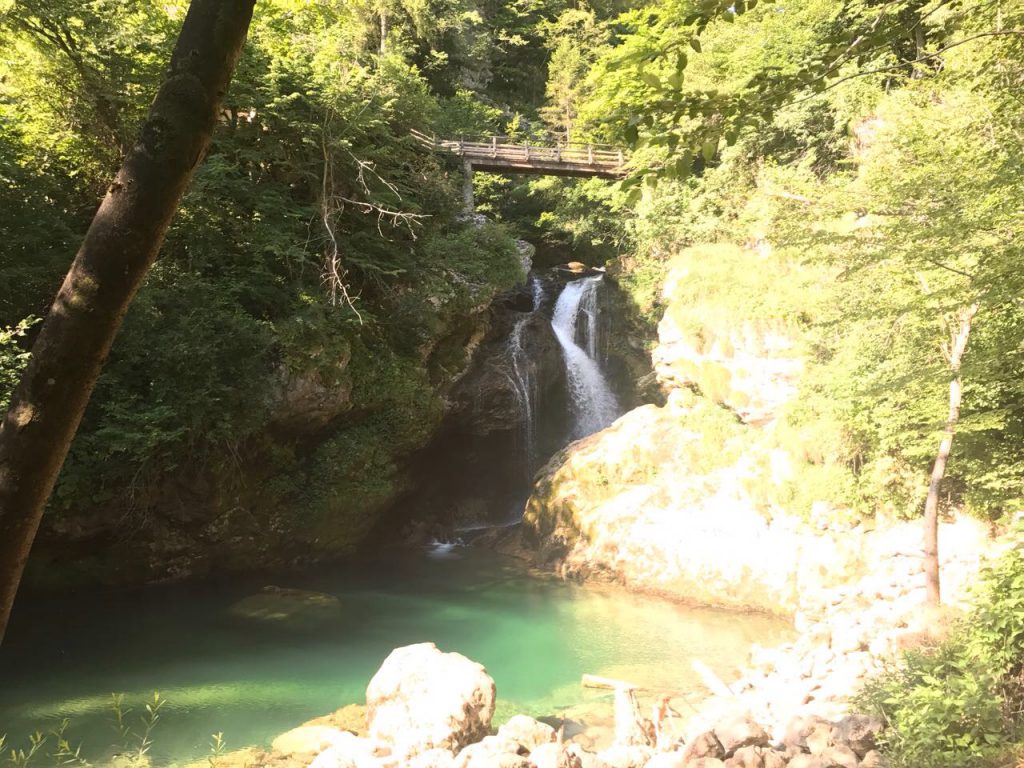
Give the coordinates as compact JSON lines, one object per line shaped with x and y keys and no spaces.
{"x":710,"y":497}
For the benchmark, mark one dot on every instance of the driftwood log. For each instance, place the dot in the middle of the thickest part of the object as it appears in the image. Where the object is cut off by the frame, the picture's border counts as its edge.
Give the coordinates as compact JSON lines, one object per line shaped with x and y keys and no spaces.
{"x":631,"y":727}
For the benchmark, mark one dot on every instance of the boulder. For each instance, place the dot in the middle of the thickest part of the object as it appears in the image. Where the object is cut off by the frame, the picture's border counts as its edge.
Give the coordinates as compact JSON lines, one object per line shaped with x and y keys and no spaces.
{"x":484,"y":756}
{"x":290,"y":608}
{"x":874,"y":759}
{"x":334,"y":757}
{"x":740,"y":731}
{"x":756,"y":757}
{"x":587,"y":759}
{"x":346,"y":750}
{"x":422,"y":698}
{"x":553,"y":755}
{"x":839,"y":756}
{"x":308,"y":740}
{"x":810,"y":733}
{"x":706,"y":762}
{"x":806,"y":761}
{"x":527,"y":731}
{"x":704,"y":745}
{"x":858,"y":732}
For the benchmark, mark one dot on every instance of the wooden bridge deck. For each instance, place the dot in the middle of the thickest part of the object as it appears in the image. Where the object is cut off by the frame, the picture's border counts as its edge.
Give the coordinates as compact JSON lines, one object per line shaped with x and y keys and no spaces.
{"x":499,"y":155}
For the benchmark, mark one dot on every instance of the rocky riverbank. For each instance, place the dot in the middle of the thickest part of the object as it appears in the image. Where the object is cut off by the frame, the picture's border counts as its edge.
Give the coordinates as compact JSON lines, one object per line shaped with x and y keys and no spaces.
{"x":789,"y":707}
{"x":430,"y":709}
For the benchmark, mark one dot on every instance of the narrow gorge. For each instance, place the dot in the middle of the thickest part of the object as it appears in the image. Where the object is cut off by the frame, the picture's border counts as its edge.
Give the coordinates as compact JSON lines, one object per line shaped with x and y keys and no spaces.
{"x":544,"y":384}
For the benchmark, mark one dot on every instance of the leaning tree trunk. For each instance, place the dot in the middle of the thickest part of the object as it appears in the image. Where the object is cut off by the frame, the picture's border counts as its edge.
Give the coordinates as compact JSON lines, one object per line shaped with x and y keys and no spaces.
{"x":955,"y":354}
{"x":118,"y":249}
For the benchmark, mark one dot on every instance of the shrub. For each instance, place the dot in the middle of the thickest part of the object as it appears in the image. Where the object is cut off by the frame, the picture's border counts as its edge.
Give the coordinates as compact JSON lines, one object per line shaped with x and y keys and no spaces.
{"x":960,"y":703}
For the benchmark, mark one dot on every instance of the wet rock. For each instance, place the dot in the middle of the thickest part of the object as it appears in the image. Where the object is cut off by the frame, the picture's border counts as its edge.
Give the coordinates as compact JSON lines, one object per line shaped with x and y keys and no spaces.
{"x":487,"y":398}
{"x":554,"y":756}
{"x":704,"y":745}
{"x":289,"y":608}
{"x":527,"y":731}
{"x":858,"y":732}
{"x":422,"y":698}
{"x":740,"y":731}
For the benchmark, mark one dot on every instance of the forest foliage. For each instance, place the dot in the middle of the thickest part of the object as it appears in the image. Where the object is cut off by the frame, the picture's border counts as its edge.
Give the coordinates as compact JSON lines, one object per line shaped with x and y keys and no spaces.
{"x":871,"y":144}
{"x":868,"y":151}
{"x":861,"y":159}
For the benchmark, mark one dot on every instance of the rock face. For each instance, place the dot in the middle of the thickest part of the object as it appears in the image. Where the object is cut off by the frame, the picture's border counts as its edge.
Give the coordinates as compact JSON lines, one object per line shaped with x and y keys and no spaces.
{"x":487,"y":399}
{"x":636,"y":504}
{"x":712,"y":503}
{"x":309,"y":400}
{"x":422,"y":699}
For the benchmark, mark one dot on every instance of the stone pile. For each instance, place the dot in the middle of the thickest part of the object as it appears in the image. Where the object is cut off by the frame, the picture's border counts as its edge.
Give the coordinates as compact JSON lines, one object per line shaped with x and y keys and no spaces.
{"x":846,"y":635}
{"x":790,"y":709}
{"x":429,"y":709}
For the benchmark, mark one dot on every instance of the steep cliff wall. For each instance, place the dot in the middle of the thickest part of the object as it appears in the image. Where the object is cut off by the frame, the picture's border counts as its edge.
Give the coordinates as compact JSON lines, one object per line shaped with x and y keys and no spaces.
{"x":336,"y":412}
{"x":713,"y":497}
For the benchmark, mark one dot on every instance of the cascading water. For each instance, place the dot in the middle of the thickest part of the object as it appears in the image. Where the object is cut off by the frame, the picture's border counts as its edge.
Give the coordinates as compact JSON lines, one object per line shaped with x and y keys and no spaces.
{"x":524,"y":378}
{"x":593,"y":402}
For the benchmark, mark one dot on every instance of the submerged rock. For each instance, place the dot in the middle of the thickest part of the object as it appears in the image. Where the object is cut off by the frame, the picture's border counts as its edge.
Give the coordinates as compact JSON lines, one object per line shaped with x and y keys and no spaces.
{"x":422,"y":698}
{"x":294,"y":608}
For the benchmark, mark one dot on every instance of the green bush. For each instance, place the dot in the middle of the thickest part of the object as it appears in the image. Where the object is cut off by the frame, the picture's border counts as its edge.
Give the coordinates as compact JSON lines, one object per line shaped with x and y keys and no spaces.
{"x":960,"y":703}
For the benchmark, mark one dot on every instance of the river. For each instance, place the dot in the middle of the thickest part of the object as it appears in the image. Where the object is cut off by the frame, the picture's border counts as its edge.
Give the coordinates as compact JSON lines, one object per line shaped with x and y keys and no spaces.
{"x":536,"y":636}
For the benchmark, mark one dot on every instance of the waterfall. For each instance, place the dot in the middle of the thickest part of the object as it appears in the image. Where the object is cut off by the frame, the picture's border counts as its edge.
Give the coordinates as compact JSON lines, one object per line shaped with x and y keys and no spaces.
{"x":524,"y":379}
{"x":594,"y":404}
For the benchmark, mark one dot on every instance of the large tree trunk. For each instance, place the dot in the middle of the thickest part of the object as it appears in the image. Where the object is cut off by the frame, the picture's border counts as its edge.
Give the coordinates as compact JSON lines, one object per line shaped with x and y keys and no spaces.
{"x":955,"y":354}
{"x":121,"y":244}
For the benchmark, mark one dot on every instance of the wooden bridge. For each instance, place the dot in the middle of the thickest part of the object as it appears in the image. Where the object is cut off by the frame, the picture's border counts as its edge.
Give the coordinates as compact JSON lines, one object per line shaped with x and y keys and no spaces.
{"x":498,"y":154}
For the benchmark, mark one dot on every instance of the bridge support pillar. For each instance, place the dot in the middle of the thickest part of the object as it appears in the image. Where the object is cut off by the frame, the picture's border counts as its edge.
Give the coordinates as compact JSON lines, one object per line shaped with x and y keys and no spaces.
{"x":467,"y":186}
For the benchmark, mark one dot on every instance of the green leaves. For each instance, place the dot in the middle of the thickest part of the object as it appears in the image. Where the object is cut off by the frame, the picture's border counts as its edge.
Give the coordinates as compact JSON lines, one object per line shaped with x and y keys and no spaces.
{"x":958,"y":705}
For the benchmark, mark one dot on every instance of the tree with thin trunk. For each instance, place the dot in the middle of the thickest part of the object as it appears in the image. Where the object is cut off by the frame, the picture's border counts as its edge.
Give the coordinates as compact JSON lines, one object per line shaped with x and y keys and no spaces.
{"x":119,"y":247}
{"x":960,"y":332}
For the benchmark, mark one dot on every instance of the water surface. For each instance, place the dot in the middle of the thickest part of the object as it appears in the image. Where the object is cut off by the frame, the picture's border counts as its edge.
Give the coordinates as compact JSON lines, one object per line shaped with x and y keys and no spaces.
{"x":536,"y":636}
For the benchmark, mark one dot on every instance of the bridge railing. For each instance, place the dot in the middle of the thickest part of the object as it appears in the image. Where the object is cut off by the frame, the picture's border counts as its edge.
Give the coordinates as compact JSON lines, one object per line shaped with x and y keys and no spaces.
{"x":501,"y":148}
